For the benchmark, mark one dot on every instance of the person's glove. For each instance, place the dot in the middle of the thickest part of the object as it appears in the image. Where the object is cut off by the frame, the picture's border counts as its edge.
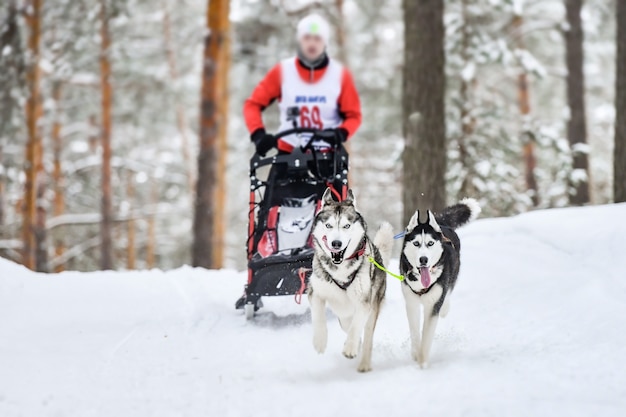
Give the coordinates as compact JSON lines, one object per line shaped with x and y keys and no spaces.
{"x":336,"y":136}
{"x":263,"y":141}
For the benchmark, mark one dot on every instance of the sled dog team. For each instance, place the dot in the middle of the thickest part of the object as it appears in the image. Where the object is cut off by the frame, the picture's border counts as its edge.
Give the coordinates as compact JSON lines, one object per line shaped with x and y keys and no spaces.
{"x":349,"y":273}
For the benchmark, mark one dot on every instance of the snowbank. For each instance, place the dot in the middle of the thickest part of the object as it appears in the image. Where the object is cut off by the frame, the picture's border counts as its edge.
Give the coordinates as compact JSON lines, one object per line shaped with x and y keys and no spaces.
{"x":536,"y":328}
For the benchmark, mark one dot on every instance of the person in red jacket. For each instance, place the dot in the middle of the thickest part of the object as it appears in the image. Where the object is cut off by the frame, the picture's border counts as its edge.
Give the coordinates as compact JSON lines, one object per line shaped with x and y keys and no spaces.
{"x":321,"y":88}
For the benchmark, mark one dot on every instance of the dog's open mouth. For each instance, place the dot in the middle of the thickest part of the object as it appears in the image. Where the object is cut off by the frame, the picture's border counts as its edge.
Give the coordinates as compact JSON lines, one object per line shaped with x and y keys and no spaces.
{"x":337,"y":257}
{"x":425,"y":276}
{"x":335,"y":254}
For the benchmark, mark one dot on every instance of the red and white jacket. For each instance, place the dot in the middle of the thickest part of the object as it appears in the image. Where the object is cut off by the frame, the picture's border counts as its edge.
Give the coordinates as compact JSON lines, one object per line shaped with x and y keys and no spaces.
{"x":326,"y":96}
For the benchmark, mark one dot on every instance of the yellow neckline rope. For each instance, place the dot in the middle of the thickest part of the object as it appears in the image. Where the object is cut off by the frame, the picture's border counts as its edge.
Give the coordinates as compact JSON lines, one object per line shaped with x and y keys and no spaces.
{"x":382,"y":268}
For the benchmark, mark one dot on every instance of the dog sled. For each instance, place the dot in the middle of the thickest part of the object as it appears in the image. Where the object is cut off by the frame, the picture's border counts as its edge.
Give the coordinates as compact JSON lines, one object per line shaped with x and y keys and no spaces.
{"x":285,"y":195}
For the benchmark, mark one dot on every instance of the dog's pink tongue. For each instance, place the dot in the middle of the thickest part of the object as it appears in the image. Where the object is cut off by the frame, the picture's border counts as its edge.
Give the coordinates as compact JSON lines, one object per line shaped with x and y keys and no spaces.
{"x":425,"y":275}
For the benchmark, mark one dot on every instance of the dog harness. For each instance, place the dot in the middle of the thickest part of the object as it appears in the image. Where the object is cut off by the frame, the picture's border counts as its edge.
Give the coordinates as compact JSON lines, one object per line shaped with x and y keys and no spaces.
{"x":358,"y":253}
{"x":420,"y":292}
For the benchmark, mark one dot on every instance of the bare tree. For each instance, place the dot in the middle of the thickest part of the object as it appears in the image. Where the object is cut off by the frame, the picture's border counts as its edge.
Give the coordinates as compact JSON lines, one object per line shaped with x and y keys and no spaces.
{"x":33,"y":146}
{"x":57,"y":173}
{"x":619,"y":153}
{"x":106,"y":248}
{"x":181,"y":117}
{"x":213,"y":109}
{"x":424,"y":159}
{"x":523,"y":97}
{"x":130,"y":224}
{"x":577,"y":124}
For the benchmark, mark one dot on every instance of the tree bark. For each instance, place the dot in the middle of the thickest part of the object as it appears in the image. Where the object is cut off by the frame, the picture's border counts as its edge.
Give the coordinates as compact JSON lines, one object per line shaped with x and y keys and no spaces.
{"x":424,"y":158}
{"x":528,"y":138}
{"x":33,"y":146}
{"x":150,"y":246}
{"x":39,"y":229}
{"x":619,"y":152}
{"x":577,"y":124}
{"x":130,"y":225}
{"x":2,"y":203}
{"x":181,"y":117}
{"x":57,"y":173}
{"x":340,"y":29}
{"x":106,"y":247}
{"x":212,"y":150}
{"x":467,"y":120}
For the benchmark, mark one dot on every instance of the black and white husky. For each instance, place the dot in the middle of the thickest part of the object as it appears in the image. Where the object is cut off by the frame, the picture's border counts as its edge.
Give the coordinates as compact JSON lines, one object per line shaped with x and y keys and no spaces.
{"x":344,"y":278}
{"x":430,"y":263}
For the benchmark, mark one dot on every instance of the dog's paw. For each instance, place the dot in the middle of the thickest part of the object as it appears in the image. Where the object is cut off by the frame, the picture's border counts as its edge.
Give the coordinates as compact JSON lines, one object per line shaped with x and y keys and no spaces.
{"x":351,"y":349}
{"x":415,"y":353}
{"x":445,"y":308}
{"x":364,"y":367}
{"x":422,"y":360}
{"x":319,"y":341}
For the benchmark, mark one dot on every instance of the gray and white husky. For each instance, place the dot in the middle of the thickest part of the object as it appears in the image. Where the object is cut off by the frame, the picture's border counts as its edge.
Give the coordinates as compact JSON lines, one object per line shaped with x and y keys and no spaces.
{"x":430,"y":263}
{"x":344,"y":278}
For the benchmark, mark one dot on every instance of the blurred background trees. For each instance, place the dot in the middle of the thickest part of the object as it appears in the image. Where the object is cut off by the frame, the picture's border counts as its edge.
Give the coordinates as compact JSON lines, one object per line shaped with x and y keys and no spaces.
{"x":530,"y":116}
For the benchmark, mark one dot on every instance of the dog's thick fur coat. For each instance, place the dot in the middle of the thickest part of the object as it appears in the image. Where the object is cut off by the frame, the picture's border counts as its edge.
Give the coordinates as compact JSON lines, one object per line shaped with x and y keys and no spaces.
{"x":344,"y":278}
{"x":430,"y":262}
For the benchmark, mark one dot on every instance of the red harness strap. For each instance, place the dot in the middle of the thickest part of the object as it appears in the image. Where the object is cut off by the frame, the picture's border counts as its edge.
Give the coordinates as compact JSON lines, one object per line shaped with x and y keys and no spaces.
{"x":359,"y":252}
{"x":302,"y":275}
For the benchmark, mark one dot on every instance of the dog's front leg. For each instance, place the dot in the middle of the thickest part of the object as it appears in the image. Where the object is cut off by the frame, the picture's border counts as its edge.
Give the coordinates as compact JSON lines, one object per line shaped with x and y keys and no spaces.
{"x":430,"y":325}
{"x":318,"y":317}
{"x":413,"y":314}
{"x":351,"y":347}
{"x":368,"y":341}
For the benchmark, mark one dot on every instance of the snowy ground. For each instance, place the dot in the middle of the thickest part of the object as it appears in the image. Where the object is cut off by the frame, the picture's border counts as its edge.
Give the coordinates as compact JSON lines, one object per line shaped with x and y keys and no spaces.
{"x":537,"y":328}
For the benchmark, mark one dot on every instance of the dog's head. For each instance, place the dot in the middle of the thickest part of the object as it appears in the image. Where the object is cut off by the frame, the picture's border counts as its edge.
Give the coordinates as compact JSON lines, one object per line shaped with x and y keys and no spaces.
{"x":338,"y":228}
{"x":423,"y":246}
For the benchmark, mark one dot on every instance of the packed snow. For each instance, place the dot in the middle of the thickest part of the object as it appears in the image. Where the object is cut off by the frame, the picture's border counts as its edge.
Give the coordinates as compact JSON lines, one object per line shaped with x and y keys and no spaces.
{"x":536,"y":328}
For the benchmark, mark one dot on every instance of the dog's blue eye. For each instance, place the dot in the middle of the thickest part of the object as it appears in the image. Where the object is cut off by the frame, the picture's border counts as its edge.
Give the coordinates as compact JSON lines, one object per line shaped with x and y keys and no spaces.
{"x":416,"y":243}
{"x":431,"y":243}
{"x":347,"y":226}
{"x":329,"y":226}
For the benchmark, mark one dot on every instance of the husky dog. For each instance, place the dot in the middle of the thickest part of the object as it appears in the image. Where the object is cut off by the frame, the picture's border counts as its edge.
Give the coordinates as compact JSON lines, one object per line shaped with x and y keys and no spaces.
{"x":344,"y":278}
{"x":430,"y":263}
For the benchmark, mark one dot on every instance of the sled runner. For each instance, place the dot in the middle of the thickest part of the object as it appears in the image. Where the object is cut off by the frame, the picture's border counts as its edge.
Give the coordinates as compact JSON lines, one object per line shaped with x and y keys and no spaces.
{"x":285,"y":194}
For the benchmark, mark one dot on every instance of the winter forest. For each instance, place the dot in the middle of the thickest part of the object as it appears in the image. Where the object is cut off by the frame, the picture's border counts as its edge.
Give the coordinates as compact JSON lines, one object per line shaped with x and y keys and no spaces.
{"x":170,"y":246}
{"x":122,"y":142}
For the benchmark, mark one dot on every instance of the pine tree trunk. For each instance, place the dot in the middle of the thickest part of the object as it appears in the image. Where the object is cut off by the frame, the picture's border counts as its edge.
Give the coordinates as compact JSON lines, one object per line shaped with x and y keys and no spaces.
{"x":424,"y":158}
{"x":33,"y":146}
{"x":39,"y":230}
{"x":130,"y":225}
{"x":181,"y":117}
{"x":341,"y":33}
{"x":619,"y":152}
{"x":219,"y":243}
{"x":57,"y":173}
{"x":528,"y":139}
{"x":467,"y":120}
{"x":577,"y":125}
{"x":2,"y":202}
{"x":150,"y":247}
{"x":209,"y":193}
{"x":106,"y":245}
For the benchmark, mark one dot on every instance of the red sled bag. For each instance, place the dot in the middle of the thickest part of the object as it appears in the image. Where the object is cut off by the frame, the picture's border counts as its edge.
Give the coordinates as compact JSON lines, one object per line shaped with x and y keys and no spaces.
{"x":268,"y":245}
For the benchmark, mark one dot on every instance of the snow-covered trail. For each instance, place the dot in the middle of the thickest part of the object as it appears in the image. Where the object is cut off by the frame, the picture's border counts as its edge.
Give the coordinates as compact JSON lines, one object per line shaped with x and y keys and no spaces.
{"x":537,"y":327}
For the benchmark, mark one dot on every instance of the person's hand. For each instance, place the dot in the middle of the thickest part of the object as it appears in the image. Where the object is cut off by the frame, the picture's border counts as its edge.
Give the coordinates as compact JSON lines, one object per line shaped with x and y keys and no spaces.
{"x":263,"y":141}
{"x":339,"y":136}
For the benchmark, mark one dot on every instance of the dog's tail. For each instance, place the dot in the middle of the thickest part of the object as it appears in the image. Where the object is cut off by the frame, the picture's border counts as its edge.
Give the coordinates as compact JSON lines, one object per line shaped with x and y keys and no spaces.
{"x":459,"y":214}
{"x":384,"y":241}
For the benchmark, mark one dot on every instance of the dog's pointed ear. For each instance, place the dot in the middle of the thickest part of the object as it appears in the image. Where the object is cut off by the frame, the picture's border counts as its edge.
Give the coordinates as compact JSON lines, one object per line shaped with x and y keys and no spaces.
{"x":327,"y":198}
{"x":414,"y":222}
{"x":350,"y":198}
{"x":433,"y":222}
